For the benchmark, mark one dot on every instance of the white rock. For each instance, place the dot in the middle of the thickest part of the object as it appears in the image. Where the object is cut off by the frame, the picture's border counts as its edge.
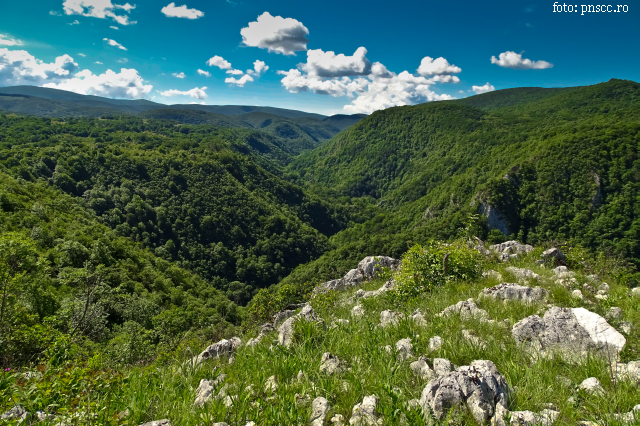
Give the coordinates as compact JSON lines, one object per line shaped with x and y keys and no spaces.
{"x":435,"y":343}
{"x":492,"y":274}
{"x":506,"y":291}
{"x":357,"y":311}
{"x":421,"y":369}
{"x":523,"y":274}
{"x":389,"y":318}
{"x":592,"y":385}
{"x":635,"y":292}
{"x":442,"y":366}
{"x":271,"y":385}
{"x":577,"y":294}
{"x":404,"y":348}
{"x":319,"y":410}
{"x":365,"y":413}
{"x":330,"y":364}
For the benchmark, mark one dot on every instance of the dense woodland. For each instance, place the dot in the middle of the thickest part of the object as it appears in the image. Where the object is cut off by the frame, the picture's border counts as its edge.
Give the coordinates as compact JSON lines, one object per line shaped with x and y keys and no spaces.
{"x":125,"y":229}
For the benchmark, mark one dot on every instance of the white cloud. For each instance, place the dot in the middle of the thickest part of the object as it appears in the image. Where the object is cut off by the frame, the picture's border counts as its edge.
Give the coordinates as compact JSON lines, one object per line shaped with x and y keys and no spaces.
{"x":197,"y":103}
{"x":179,"y":75}
{"x":328,"y":64}
{"x":220,"y":62}
{"x":446,"y":78}
{"x":234,"y":72}
{"x":123,"y":60}
{"x":515,"y":60}
{"x":18,"y":67}
{"x":240,"y":82}
{"x":76,"y":22}
{"x":277,"y":34}
{"x":205,"y":73}
{"x":195,"y":93}
{"x":172,"y":11}
{"x":483,"y":89}
{"x":259,"y":68}
{"x":114,"y":43}
{"x":460,"y":91}
{"x":113,"y":27}
{"x":429,"y":66}
{"x":98,"y":62}
{"x":98,"y":9}
{"x":6,"y":41}
{"x":82,"y":54}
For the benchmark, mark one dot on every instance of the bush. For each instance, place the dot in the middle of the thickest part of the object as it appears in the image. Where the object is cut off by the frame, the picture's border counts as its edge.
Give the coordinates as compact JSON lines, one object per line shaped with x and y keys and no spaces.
{"x":269,"y":301}
{"x":425,"y":268}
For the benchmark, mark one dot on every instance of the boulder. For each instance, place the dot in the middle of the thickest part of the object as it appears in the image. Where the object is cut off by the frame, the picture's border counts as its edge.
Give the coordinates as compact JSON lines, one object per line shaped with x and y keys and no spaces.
{"x":442,"y":366}
{"x":319,"y":410}
{"x":357,"y":311}
{"x":282,"y":316}
{"x":563,"y":272}
{"x":285,"y":331}
{"x":223,"y":347}
{"x":528,"y":418}
{"x":365,"y":413}
{"x":17,"y":412}
{"x":337,"y":420}
{"x":523,"y":274}
{"x":204,"y":392}
{"x":554,"y":253}
{"x":506,"y":291}
{"x":571,"y":332}
{"x":479,"y":386}
{"x":371,"y":266}
{"x":577,"y":294}
{"x":330,"y":364}
{"x":435,"y":343}
{"x":614,"y":313}
{"x":629,"y":371}
{"x":511,"y":247}
{"x":467,"y":309}
{"x":418,"y":318}
{"x":163,"y":422}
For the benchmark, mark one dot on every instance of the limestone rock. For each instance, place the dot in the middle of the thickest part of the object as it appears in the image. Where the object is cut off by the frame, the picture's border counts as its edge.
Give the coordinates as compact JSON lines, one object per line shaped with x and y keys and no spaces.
{"x":523,"y":274}
{"x":271,"y":385}
{"x":629,"y":371}
{"x":528,"y":418}
{"x":572,"y":332}
{"x":506,"y":291}
{"x":330,"y":364}
{"x":282,"y":316}
{"x":365,"y":413}
{"x":285,"y":331}
{"x":479,"y":386}
{"x":435,"y":343}
{"x":204,"y":392}
{"x":357,"y":311}
{"x":223,"y":347}
{"x":339,"y":323}
{"x":563,"y":272}
{"x":474,"y":339}
{"x":592,"y":385}
{"x":362,"y":294}
{"x":418,"y":318}
{"x":577,"y":294}
{"x":17,"y":412}
{"x":389,"y":318}
{"x":371,"y":266}
{"x":467,"y":309}
{"x":319,"y":410}
{"x":511,"y":247}
{"x":421,"y":369}
{"x":629,"y":417}
{"x":635,"y":292}
{"x":442,"y":366}
{"x":614,"y":313}
{"x":337,"y":420}
{"x":554,"y":253}
{"x":404,"y":348}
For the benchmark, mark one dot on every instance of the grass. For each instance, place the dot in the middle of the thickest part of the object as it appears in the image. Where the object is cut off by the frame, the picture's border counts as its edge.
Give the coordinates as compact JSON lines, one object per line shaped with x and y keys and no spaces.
{"x":159,"y":391}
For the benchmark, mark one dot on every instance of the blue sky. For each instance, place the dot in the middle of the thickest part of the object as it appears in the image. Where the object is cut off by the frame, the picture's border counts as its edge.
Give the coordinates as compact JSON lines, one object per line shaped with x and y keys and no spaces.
{"x":140,"y":50}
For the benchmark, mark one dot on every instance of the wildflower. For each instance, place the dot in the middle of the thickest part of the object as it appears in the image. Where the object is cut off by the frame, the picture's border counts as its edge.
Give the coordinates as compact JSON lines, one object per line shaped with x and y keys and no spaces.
{"x":7,"y":369}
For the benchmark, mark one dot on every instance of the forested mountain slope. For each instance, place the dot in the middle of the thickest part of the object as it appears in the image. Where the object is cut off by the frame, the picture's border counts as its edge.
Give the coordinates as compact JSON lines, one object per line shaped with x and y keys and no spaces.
{"x":208,"y":198}
{"x":556,"y":164}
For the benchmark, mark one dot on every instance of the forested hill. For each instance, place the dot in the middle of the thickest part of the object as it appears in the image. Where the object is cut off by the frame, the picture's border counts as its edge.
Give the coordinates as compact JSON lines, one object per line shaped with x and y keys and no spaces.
{"x":210,"y":199}
{"x":540,"y":164}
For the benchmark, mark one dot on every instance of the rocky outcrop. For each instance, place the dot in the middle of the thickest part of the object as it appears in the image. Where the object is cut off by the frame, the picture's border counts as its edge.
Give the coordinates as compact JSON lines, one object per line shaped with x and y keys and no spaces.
{"x":511,"y":247}
{"x":223,"y":347}
{"x":467,"y":309}
{"x":555,"y":254}
{"x":285,"y":331}
{"x":365,"y":413}
{"x":367,"y":269}
{"x":571,"y":332}
{"x":319,"y":410}
{"x":630,"y":371}
{"x":264,"y":330}
{"x":479,"y":386}
{"x":515,"y":292}
{"x":421,"y":369}
{"x":363,"y":294}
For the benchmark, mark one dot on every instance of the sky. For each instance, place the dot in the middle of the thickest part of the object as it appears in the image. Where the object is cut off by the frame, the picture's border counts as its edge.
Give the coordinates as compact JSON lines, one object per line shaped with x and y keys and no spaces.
{"x":330,"y":57}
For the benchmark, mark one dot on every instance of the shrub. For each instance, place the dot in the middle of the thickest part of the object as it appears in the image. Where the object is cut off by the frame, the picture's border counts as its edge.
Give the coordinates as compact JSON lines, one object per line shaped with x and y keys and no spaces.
{"x":425,"y":268}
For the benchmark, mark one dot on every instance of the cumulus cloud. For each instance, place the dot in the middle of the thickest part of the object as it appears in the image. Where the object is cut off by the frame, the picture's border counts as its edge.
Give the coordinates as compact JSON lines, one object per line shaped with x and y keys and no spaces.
{"x":18,"y":67}
{"x":172,"y":11}
{"x":259,"y":68}
{"x":328,"y":64}
{"x":98,"y":62}
{"x":179,"y":75}
{"x":123,"y":60}
{"x":82,"y":54}
{"x":370,"y":86}
{"x":76,"y":22}
{"x":440,"y":66}
{"x":240,"y":82}
{"x":195,"y":93}
{"x":6,"y":41}
{"x":483,"y":89}
{"x":114,"y":43}
{"x":205,"y":73}
{"x":276,"y":34}
{"x":220,"y":62}
{"x":113,"y":27}
{"x":515,"y":60}
{"x":99,"y":9}
{"x":234,"y":72}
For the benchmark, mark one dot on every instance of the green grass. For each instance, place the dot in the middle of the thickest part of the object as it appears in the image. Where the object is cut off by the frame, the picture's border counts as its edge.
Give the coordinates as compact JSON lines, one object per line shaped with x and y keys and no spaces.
{"x":163,"y":390}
